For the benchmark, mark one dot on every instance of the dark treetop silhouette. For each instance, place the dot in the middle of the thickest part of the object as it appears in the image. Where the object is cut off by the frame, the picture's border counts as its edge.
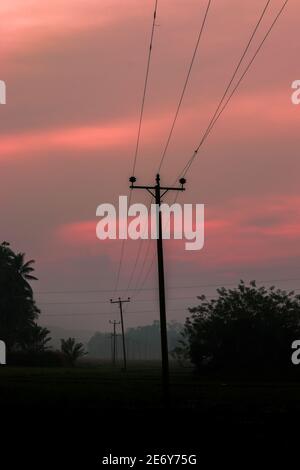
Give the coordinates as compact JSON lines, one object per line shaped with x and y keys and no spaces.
{"x":18,"y":310}
{"x":246,"y":328}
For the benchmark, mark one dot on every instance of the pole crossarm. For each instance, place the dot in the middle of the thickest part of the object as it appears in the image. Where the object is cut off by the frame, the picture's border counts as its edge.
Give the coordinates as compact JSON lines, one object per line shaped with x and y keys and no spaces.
{"x":182,"y":181}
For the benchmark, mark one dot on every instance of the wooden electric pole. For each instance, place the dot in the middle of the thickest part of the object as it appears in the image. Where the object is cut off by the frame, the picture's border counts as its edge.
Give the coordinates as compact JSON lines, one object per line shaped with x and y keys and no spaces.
{"x":158,"y":191}
{"x":120,"y":302}
{"x":114,"y":339}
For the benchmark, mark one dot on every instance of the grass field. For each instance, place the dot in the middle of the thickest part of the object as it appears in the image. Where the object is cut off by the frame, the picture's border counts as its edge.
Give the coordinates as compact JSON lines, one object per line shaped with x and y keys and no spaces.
{"x":102,"y":387}
{"x":99,"y":407}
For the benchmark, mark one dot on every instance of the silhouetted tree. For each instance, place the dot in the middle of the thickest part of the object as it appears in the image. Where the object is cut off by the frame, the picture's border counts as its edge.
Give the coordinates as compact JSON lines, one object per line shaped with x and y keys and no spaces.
{"x":18,"y":310}
{"x":72,"y":351}
{"x":246,"y":327}
{"x":35,"y":339}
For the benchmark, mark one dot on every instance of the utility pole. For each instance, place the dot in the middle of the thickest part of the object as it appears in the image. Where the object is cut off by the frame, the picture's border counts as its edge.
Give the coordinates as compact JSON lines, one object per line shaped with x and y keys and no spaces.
{"x":120,"y":302}
{"x":158,"y":191}
{"x":114,"y":338}
{"x":107,"y":343}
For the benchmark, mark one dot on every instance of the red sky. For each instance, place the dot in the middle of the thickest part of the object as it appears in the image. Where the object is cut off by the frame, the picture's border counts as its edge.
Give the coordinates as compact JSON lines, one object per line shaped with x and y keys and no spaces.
{"x":74,"y":71}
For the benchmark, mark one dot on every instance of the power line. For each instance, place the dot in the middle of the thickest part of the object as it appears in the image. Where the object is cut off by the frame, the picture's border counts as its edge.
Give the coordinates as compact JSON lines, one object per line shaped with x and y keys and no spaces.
{"x":141,"y":271}
{"x":219,"y":111}
{"x":137,"y":312}
{"x":96,"y":302}
{"x":140,"y":288}
{"x":79,"y":314}
{"x":240,"y":61}
{"x":120,"y":261}
{"x":138,"y":254}
{"x":170,"y":299}
{"x":145,"y":89}
{"x":193,"y":286}
{"x":169,"y":139}
{"x":215,"y":116}
{"x":218,"y":107}
{"x":185,"y":85}
{"x":147,"y":274}
{"x":138,"y":136}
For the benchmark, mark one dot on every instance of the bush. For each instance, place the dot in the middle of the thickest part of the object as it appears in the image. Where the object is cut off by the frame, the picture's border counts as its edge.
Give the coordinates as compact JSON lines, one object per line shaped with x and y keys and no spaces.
{"x":245,"y":329}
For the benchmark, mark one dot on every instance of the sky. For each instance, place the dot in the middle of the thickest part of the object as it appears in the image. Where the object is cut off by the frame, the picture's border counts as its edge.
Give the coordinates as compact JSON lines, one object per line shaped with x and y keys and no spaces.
{"x":74,"y":72}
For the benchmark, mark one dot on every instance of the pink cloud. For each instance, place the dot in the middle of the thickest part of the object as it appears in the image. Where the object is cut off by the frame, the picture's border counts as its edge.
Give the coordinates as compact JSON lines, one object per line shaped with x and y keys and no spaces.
{"x":249,"y":232}
{"x":269,"y":111}
{"x":28,"y":25}
{"x":31,"y":24}
{"x":89,"y":137}
{"x":253,"y":232}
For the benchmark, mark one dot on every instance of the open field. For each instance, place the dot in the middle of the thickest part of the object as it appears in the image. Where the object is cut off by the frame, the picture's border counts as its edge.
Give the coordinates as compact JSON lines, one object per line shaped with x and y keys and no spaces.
{"x":103,"y":387}
{"x":204,"y":412}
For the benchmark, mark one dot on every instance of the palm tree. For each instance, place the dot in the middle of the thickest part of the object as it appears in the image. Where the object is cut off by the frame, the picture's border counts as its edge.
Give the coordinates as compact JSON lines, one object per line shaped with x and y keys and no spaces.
{"x":17,"y":306}
{"x":72,"y":351}
{"x":24,"y":269}
{"x":35,"y":339}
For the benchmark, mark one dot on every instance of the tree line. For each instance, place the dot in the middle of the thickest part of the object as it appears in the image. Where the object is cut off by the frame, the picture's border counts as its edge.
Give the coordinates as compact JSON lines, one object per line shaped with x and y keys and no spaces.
{"x":142,"y":342}
{"x":247,"y":328}
{"x":26,"y":341}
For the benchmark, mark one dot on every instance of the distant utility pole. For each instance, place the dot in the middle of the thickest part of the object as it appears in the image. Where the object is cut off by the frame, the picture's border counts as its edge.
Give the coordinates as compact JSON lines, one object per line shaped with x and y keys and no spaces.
{"x":120,"y":302}
{"x":114,"y":339}
{"x":158,"y":192}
